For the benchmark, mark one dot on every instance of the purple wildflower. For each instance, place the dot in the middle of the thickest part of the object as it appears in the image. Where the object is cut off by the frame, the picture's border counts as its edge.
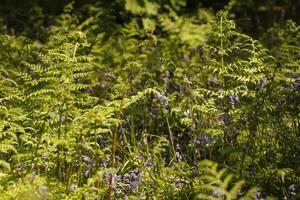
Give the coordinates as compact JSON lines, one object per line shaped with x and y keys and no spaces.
{"x":186,"y":113}
{"x":86,"y":172}
{"x":162,"y":99}
{"x":32,"y":177}
{"x":292,"y":75}
{"x":296,"y":85}
{"x":87,"y":160}
{"x":195,"y":174}
{"x":262,"y":83}
{"x":166,"y":76}
{"x":115,"y":179}
{"x":147,"y":164}
{"x":212,"y":79}
{"x":233,"y":100}
{"x":133,"y":179}
{"x":225,"y":118}
{"x":205,"y":139}
{"x":133,"y":185}
{"x":105,"y":163}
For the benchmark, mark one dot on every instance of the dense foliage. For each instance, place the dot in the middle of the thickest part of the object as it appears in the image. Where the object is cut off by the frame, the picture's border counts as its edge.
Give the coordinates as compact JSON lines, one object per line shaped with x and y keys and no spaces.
{"x":139,"y":99}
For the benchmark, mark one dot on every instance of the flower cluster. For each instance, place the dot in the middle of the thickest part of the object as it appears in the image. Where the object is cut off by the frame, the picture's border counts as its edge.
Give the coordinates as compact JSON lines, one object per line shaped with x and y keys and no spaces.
{"x":126,"y":183}
{"x":212,"y":79}
{"x":116,"y":179}
{"x":259,"y":196}
{"x":87,"y":160}
{"x":133,"y":179}
{"x":262,"y":83}
{"x":205,"y":139}
{"x":233,"y":100}
{"x":89,"y":163}
{"x":225,"y":118}
{"x":162,"y":99}
{"x":166,"y":77}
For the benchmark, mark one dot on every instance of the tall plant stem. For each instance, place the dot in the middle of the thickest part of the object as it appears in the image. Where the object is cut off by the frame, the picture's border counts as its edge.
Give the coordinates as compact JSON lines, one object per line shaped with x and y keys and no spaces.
{"x":114,"y":145}
{"x":171,"y":136}
{"x":222,"y":51}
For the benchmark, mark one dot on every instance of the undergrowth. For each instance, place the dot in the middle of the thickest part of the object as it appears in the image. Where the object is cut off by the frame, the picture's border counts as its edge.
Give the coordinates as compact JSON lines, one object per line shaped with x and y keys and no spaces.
{"x":163,"y":106}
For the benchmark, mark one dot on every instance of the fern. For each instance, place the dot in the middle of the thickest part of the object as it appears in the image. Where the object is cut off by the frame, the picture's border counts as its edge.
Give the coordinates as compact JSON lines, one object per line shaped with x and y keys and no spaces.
{"x":212,"y":185}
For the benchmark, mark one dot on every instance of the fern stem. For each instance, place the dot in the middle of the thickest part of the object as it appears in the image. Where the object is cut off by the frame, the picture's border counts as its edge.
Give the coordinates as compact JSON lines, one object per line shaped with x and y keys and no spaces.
{"x":222,"y":57}
{"x":75,"y":49}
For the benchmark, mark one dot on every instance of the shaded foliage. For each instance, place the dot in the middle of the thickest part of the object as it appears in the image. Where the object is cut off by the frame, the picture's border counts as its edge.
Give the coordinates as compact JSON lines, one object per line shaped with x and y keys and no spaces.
{"x":128,"y":100}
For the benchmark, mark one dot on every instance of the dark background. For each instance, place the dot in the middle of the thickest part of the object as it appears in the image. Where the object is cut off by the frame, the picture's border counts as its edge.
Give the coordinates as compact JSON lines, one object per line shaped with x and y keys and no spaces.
{"x":253,"y":17}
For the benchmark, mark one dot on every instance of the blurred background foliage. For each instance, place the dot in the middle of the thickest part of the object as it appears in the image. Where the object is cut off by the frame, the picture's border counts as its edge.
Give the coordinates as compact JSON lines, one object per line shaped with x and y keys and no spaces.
{"x":253,"y":17}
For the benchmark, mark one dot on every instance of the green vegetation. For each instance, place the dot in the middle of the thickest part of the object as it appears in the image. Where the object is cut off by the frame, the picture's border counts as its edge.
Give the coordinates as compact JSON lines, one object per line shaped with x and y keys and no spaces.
{"x":140,"y":99}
